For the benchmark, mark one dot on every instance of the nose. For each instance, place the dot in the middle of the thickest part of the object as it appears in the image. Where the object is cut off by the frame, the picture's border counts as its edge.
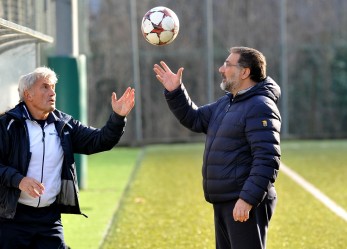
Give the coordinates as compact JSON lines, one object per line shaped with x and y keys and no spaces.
{"x":52,"y":92}
{"x":221,"y":69}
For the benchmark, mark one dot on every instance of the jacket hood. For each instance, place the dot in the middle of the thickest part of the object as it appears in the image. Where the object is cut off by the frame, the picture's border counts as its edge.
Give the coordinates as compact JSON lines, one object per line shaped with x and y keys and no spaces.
{"x":268,"y":87}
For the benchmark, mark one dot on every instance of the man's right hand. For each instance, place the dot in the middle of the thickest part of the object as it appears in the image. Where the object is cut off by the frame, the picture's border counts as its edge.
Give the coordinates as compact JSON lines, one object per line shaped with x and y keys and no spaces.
{"x":32,"y":187}
{"x":170,"y":80}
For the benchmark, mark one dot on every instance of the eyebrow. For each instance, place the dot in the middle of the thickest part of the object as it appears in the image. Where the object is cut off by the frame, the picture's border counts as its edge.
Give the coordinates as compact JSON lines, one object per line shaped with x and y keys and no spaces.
{"x":48,"y":84}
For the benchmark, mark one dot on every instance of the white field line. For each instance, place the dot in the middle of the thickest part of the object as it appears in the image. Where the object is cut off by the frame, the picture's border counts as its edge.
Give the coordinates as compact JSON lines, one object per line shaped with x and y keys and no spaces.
{"x":333,"y":206}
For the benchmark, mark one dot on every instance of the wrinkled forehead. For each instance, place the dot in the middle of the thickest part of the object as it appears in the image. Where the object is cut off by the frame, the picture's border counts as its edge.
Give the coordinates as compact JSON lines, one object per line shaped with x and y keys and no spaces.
{"x":45,"y":81}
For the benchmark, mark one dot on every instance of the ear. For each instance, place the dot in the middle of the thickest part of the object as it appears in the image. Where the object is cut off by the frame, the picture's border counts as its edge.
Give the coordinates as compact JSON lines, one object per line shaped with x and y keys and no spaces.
{"x":246,"y":73}
{"x":27,"y":95}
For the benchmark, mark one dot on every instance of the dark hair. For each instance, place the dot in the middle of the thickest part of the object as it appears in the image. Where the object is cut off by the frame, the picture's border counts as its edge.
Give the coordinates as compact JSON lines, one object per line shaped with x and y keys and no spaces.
{"x":252,"y":59}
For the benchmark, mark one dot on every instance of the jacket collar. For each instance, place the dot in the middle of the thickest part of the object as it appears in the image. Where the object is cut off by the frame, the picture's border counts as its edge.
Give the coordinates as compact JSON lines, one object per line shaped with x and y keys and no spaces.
{"x":268,"y":87}
{"x":51,"y":118}
{"x":21,"y":112}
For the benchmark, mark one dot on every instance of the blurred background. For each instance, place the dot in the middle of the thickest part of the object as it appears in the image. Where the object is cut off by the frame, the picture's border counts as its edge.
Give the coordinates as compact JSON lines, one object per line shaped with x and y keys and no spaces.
{"x":304,"y":41}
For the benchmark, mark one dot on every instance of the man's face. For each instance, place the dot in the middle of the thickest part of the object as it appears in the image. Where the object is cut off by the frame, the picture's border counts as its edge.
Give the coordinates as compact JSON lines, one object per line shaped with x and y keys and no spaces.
{"x":231,"y":74}
{"x":41,"y":96}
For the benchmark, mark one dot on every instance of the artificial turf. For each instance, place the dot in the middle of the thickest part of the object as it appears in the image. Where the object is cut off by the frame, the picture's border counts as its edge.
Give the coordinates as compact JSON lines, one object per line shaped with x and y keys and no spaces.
{"x":163,"y":204}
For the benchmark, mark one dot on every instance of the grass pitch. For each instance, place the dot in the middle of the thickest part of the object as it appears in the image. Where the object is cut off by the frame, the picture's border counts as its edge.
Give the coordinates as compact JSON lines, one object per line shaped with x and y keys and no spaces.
{"x":323,"y":163}
{"x":164,"y":205}
{"x":108,"y":176}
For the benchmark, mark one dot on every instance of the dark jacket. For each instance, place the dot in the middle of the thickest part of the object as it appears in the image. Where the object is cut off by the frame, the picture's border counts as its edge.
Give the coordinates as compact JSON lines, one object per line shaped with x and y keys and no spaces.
{"x":75,"y":138}
{"x":242,"y":150}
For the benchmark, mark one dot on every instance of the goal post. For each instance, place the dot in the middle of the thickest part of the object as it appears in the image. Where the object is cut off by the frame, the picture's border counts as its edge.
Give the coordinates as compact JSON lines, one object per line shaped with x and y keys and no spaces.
{"x":19,"y":54}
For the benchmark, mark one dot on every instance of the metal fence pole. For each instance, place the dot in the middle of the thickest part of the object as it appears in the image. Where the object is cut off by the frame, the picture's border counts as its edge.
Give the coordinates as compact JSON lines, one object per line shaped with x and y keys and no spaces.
{"x":136,"y":72}
{"x":284,"y":68}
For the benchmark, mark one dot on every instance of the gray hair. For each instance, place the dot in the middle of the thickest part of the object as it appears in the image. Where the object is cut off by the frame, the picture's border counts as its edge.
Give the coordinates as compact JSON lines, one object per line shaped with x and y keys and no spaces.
{"x":26,"y":81}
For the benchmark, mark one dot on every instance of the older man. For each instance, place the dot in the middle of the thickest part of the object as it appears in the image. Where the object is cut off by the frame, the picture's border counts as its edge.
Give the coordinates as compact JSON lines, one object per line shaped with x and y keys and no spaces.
{"x":37,"y":167}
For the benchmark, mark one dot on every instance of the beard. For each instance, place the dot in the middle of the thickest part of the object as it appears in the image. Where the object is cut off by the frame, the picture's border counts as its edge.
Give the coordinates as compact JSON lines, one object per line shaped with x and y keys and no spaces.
{"x":229,"y":85}
{"x":226,"y":85}
{"x":223,"y":86}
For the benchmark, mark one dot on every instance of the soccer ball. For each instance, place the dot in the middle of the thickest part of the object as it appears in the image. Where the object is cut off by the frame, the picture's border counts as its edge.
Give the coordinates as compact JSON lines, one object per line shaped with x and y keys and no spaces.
{"x":160,"y":26}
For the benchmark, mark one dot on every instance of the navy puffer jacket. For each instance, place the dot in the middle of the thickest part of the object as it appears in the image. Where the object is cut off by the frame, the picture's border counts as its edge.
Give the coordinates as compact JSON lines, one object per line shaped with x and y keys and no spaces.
{"x":242,"y":149}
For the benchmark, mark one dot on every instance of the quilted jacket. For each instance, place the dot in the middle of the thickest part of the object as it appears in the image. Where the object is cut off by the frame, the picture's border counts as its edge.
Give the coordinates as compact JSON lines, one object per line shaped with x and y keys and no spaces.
{"x":242,"y":148}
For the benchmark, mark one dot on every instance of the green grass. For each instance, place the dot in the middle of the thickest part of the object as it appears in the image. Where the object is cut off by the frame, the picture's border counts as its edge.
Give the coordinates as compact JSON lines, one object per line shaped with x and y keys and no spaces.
{"x":323,"y":163}
{"x":300,"y":221}
{"x":164,"y":205}
{"x":108,"y":175}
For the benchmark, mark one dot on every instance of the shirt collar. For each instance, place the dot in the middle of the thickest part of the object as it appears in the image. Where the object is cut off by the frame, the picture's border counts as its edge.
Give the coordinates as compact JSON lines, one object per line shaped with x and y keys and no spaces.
{"x":244,"y":90}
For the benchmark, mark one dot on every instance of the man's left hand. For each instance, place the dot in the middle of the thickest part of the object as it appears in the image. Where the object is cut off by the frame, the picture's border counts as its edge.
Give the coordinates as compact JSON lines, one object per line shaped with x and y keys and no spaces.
{"x":241,"y":211}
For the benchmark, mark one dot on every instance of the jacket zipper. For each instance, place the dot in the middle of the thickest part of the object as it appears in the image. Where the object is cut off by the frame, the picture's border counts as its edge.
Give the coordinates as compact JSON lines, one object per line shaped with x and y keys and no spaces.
{"x":43,"y":159}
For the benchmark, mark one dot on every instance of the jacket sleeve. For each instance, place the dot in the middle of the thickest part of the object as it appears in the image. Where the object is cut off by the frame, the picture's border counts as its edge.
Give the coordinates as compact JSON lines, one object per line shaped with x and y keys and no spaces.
{"x":89,"y":140}
{"x":263,"y":123}
{"x":188,"y":114}
{"x":9,"y":176}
